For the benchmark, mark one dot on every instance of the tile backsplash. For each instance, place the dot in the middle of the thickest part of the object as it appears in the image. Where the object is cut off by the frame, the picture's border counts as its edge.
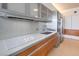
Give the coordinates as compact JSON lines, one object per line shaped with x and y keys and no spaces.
{"x":10,"y":28}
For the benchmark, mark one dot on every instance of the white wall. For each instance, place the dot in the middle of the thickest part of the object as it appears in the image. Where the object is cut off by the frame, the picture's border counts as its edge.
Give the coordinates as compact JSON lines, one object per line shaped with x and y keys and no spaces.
{"x":71,"y":19}
{"x":70,"y":12}
{"x":67,"y":22}
{"x":75,"y":22}
{"x":11,"y":28}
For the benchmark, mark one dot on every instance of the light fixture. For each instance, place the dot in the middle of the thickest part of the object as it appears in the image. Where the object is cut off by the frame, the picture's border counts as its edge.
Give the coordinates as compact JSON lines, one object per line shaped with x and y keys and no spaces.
{"x":35,"y":9}
{"x":75,"y":11}
{"x":36,"y":16}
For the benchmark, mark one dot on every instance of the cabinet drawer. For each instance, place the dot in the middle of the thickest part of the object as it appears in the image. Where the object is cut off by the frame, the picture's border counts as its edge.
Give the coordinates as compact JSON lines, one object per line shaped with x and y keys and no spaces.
{"x":45,"y":48}
{"x":27,"y":51}
{"x":31,"y":49}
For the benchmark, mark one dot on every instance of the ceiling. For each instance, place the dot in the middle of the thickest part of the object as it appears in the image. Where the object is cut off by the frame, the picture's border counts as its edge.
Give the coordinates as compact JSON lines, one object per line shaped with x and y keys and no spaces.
{"x":65,"y":6}
{"x":49,"y":5}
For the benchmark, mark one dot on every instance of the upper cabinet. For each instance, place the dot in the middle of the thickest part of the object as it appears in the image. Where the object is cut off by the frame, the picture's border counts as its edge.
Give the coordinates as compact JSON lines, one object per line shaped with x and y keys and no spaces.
{"x":49,"y":15}
{"x":43,"y":13}
{"x":46,"y":14}
{"x":17,"y":7}
{"x":35,"y":11}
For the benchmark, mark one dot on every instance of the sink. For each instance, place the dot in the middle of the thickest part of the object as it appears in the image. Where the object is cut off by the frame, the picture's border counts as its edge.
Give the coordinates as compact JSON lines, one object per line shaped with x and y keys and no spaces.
{"x":46,"y":33}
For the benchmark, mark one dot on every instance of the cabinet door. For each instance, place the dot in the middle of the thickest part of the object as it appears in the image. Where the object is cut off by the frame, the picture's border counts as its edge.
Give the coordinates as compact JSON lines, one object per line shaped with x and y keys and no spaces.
{"x":3,"y":6}
{"x":27,"y":51}
{"x":31,"y":49}
{"x":45,"y":48}
{"x":49,"y":15}
{"x":0,"y":5}
{"x":27,"y":9}
{"x":43,"y":13}
{"x":35,"y":10}
{"x":75,"y":22}
{"x":17,"y":7}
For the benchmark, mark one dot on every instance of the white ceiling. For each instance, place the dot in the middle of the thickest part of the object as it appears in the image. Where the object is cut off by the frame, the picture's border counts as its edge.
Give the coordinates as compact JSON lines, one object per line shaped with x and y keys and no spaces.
{"x":49,"y":5}
{"x":65,"y":6}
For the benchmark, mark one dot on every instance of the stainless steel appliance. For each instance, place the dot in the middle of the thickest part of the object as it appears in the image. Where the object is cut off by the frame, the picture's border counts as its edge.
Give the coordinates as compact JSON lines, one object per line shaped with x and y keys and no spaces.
{"x":60,"y":27}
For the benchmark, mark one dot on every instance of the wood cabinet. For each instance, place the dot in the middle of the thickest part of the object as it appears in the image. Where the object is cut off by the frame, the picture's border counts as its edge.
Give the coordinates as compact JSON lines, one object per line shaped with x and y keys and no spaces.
{"x":31,"y":49}
{"x":45,"y":48}
{"x":42,"y":48}
{"x":71,"y":32}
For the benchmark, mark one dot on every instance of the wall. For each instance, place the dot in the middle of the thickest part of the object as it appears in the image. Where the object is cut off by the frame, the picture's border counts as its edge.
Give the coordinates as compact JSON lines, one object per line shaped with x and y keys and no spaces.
{"x":71,"y":21}
{"x":11,"y":28}
{"x":70,"y":12}
{"x":67,"y":22}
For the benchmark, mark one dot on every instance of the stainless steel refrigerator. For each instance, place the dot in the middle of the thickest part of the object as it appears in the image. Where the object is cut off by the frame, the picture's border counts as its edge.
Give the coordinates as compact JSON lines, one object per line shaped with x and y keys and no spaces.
{"x":60,"y":29}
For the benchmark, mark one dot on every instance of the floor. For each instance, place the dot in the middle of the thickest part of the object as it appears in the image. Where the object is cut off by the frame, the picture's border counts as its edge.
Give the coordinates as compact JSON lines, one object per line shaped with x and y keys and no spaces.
{"x":68,"y":47}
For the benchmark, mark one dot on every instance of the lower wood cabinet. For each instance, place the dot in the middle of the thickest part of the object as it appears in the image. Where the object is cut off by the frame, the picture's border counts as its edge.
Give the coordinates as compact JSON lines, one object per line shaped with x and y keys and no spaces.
{"x":31,"y":49}
{"x":42,"y":48}
{"x":45,"y":48}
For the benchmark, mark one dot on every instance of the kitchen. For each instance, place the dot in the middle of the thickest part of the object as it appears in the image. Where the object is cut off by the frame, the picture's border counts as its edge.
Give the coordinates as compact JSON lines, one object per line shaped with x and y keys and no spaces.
{"x":34,"y":29}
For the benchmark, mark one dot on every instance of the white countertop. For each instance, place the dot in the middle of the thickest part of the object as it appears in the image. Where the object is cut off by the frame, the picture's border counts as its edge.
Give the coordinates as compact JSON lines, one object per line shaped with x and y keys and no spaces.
{"x":14,"y":45}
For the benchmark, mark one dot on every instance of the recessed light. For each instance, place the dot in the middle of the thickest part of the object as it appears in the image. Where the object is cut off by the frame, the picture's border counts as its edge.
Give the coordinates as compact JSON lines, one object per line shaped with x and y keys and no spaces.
{"x":75,"y":11}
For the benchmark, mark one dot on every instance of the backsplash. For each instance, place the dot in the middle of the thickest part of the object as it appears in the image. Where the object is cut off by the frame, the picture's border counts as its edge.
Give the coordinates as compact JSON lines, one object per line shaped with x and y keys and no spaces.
{"x":10,"y":28}
{"x":42,"y":27}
